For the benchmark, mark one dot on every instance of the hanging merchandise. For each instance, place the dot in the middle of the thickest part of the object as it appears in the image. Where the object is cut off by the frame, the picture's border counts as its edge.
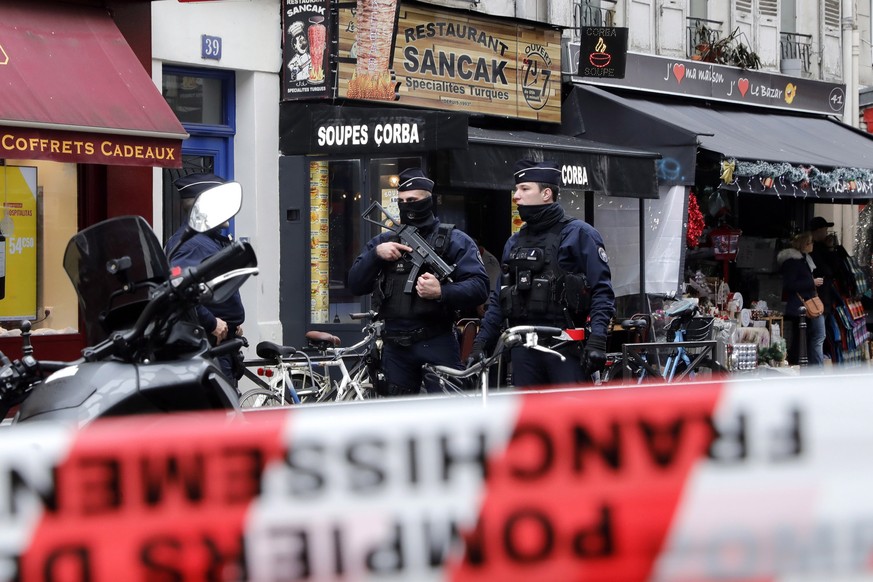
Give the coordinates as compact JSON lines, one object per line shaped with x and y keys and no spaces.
{"x":717,"y":205}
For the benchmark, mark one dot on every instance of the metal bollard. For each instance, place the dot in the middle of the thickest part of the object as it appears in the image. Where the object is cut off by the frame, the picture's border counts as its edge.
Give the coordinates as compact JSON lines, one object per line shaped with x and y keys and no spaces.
{"x":802,"y":356}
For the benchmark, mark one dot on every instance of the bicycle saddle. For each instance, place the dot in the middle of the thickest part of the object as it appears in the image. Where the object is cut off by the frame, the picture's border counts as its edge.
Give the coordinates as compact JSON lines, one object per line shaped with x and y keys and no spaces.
{"x":634,"y":323}
{"x":273,"y":351}
{"x":321,"y":340}
{"x":683,"y":307}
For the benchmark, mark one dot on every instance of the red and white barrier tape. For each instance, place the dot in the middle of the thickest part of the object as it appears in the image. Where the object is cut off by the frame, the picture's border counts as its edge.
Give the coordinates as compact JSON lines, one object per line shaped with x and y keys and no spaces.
{"x":735,"y":480}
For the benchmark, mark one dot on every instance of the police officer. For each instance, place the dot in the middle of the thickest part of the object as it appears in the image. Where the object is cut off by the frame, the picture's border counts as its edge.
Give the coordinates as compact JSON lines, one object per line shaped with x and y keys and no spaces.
{"x":558,"y":275}
{"x":221,"y":321}
{"x":419,"y":326}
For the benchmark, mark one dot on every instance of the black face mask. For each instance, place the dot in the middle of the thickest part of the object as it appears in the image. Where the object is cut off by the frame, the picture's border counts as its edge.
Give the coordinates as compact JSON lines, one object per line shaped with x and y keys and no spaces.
{"x":531,"y":213}
{"x":416,"y":213}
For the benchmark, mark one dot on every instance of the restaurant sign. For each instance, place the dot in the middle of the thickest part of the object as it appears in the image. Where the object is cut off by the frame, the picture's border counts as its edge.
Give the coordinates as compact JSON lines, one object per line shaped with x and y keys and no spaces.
{"x":320,"y":128}
{"x":603,"y":52}
{"x":446,"y":60}
{"x":305,"y":49}
{"x":89,"y":148}
{"x":729,"y":84}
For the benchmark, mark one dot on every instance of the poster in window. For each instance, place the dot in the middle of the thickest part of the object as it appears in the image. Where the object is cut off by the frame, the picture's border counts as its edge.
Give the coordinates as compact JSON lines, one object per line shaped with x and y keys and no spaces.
{"x":319,"y":199}
{"x":18,"y":242}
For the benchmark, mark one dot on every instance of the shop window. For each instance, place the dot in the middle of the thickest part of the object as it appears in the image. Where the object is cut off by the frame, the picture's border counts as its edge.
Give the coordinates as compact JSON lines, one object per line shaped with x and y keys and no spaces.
{"x":337,"y":231}
{"x":39,"y":216}
{"x":335,"y":237}
{"x":195,"y":97}
{"x":204,"y":101}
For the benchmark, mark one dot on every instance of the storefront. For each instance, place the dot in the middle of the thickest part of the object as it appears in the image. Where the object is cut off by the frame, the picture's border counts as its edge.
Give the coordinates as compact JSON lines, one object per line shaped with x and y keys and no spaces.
{"x":759,"y":153}
{"x":447,"y":94}
{"x":82,"y":125}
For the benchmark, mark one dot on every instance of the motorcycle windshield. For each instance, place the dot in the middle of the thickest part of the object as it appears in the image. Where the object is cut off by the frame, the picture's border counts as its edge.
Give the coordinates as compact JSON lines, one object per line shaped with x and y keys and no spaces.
{"x":111,"y":264}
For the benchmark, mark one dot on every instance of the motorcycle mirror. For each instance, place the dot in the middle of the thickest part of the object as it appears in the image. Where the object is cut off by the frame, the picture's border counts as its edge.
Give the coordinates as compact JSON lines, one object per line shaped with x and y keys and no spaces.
{"x":215,"y":206}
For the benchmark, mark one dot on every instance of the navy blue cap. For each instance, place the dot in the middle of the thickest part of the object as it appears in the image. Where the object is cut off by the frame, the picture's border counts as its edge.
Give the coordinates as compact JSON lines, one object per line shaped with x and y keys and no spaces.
{"x":414,"y":179}
{"x":193,"y":184}
{"x":545,"y":172}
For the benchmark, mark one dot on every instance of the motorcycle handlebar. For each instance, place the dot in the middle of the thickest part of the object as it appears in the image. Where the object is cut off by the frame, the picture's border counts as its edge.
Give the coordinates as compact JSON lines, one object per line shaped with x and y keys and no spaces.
{"x":218,"y":263}
{"x":229,"y":347}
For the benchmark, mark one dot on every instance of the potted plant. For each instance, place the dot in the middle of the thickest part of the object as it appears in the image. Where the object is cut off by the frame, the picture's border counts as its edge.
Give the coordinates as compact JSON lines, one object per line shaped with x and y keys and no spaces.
{"x":728,"y":50}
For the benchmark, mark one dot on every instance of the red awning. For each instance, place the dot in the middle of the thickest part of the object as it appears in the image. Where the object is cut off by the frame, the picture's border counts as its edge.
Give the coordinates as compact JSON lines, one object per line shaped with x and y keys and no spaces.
{"x":72,"y":90}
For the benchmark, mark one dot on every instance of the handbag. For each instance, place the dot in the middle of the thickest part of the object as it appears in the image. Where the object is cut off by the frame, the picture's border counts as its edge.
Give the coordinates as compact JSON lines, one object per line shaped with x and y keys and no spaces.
{"x":814,"y":306}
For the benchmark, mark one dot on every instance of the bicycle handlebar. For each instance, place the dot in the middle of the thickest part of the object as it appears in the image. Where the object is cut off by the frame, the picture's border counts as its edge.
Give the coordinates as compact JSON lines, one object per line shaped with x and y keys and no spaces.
{"x":365,"y":315}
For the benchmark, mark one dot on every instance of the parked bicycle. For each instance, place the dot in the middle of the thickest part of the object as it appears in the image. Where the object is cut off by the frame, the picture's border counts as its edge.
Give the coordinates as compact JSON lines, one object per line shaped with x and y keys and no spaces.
{"x":684,"y":351}
{"x":473,"y":381}
{"x":616,"y":369}
{"x":304,"y":376}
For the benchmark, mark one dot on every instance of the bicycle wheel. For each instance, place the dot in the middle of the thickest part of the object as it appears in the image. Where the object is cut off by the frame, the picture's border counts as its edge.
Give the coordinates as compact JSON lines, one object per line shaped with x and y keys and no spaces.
{"x":307,"y":386}
{"x":260,"y":398}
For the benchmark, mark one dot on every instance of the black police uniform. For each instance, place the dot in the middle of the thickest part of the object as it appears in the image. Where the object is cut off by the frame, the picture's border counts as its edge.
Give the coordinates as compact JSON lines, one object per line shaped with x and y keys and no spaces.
{"x":192,"y":252}
{"x":573,"y":291}
{"x":419,"y":331}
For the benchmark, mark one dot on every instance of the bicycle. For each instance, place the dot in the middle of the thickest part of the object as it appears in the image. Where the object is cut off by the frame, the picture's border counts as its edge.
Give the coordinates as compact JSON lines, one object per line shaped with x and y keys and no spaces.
{"x":684,"y":331}
{"x":616,"y":367}
{"x":474,"y":380}
{"x":294,"y":376}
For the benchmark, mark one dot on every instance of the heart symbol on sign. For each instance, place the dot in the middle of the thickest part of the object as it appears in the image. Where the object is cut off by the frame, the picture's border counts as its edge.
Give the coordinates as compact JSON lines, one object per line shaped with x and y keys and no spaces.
{"x":743,"y":85}
{"x":678,"y":72}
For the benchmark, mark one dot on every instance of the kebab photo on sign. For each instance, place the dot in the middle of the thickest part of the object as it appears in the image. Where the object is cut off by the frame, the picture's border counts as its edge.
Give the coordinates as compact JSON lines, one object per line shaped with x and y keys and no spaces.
{"x":375,"y":28}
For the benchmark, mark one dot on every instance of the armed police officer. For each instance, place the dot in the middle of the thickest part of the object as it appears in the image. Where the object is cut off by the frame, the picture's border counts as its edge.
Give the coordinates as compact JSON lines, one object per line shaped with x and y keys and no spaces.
{"x":223,"y":320}
{"x":558,"y":275}
{"x":419,"y":325}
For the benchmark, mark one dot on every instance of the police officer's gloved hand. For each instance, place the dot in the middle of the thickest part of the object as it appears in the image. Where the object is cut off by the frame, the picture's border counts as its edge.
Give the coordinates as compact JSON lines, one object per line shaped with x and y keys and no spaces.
{"x":476,"y":354}
{"x":595,"y":353}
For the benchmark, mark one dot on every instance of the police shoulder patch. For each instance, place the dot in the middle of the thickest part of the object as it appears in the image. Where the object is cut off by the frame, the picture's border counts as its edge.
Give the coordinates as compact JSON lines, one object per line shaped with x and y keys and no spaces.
{"x":602,"y":252}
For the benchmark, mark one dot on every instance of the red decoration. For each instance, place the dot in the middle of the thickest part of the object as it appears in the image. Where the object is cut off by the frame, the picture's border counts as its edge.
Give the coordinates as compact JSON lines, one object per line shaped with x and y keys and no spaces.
{"x":695,"y":223}
{"x":725,"y":244}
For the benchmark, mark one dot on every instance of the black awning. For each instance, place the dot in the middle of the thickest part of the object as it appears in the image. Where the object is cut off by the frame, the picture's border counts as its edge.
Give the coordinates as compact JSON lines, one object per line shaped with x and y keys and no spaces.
{"x":318,"y":128}
{"x":805,"y":155}
{"x":585,"y":165}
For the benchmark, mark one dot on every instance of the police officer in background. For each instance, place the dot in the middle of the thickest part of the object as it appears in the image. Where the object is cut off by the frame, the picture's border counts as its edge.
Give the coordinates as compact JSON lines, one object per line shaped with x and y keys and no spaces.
{"x":558,"y":276}
{"x":222,"y":321}
{"x":419,"y":326}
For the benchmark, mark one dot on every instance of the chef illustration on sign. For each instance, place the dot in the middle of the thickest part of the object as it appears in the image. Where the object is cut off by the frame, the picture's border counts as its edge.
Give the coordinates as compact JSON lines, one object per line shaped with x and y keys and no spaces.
{"x":300,"y":62}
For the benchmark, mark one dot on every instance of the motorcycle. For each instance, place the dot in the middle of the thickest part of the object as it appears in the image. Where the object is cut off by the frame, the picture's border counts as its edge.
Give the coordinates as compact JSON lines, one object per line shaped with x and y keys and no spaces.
{"x":147,"y":352}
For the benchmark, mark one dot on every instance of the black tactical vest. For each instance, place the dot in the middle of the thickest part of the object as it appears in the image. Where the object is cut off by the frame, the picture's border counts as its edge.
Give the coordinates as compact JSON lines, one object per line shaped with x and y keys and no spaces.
{"x":389,"y":300}
{"x":540,"y":292}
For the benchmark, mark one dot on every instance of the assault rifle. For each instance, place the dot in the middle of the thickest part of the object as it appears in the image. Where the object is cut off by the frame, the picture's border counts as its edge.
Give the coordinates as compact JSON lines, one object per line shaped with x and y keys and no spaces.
{"x":422,"y":253}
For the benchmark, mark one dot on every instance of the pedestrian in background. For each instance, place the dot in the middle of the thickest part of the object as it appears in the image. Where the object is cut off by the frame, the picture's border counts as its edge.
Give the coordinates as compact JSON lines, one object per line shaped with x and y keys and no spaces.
{"x":558,"y":276}
{"x":799,"y":284}
{"x":419,"y":326}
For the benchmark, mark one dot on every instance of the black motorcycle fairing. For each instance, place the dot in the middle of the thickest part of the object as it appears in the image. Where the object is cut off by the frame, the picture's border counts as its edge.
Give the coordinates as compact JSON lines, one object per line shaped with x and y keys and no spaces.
{"x":82,"y":393}
{"x":67,"y":393}
{"x":109,"y":300}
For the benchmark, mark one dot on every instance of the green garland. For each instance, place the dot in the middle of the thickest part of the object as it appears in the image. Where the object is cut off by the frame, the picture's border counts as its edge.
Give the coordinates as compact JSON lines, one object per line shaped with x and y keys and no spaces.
{"x":800,"y":175}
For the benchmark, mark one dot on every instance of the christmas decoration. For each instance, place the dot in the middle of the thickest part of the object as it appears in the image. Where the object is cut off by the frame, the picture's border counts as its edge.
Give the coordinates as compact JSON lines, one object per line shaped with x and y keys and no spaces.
{"x":864,"y":238}
{"x":695,"y":222}
{"x":797,"y":177}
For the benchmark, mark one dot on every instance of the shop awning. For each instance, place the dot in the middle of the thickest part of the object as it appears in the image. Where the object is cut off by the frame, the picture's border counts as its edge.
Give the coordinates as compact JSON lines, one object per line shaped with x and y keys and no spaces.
{"x":73,"y":91}
{"x":585,"y":165}
{"x":770,"y":144}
